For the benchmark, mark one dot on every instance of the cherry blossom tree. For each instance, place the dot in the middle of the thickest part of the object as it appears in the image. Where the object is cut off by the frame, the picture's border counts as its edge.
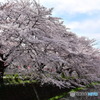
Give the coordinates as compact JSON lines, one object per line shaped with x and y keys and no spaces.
{"x":41,"y":47}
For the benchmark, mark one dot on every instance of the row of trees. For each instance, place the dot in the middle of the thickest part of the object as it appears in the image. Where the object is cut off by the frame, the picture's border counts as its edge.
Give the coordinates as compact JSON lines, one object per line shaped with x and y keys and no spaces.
{"x":31,"y":36}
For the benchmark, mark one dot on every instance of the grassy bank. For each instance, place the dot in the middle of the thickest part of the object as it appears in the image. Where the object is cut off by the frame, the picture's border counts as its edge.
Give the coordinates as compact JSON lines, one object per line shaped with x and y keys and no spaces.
{"x":17,"y":80}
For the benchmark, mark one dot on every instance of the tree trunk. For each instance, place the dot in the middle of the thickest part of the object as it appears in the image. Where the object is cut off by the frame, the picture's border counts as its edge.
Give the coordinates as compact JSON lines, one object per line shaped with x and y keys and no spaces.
{"x":2,"y":68}
{"x":1,"y":76}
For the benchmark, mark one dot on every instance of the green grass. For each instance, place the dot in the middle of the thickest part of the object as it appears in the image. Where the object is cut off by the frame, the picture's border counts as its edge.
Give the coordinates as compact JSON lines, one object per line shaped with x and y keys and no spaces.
{"x":58,"y":97}
{"x":16,"y":79}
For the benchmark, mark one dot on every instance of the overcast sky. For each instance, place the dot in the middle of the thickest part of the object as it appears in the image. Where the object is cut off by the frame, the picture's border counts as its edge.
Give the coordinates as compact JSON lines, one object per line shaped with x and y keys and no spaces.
{"x":81,"y":16}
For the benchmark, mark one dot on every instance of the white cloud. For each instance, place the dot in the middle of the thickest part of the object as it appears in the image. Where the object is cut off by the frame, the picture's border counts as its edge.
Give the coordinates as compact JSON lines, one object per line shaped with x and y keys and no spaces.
{"x":89,"y":25}
{"x":73,"y":6}
{"x":89,"y":28}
